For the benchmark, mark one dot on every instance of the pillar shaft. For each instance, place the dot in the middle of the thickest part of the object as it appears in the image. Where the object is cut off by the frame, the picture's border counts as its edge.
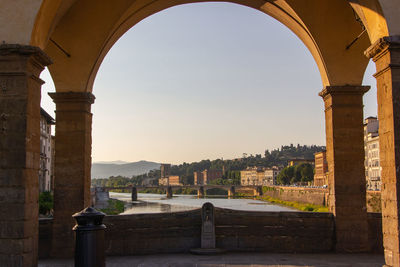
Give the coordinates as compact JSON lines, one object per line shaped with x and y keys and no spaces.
{"x":386,"y":55}
{"x":169,"y":192}
{"x":134,"y":194}
{"x":231,"y":192}
{"x":20,"y":67}
{"x":345,"y":156}
{"x":200,"y":192}
{"x":73,"y":149}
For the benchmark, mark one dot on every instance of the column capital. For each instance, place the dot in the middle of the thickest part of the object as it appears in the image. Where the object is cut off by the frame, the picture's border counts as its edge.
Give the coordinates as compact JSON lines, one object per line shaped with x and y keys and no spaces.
{"x":25,"y":50}
{"x":73,"y":97}
{"x":344,"y":90}
{"x":377,"y":49}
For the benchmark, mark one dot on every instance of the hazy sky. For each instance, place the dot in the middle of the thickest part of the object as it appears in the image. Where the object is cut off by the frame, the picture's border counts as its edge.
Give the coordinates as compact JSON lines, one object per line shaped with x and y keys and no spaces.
{"x":206,"y":81}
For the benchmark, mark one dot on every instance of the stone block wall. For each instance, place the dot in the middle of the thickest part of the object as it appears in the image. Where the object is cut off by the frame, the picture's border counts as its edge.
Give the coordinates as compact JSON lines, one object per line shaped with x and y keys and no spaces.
{"x":375,"y":232}
{"x":287,"y":232}
{"x":45,"y":236}
{"x":152,"y":233}
{"x":316,"y":196}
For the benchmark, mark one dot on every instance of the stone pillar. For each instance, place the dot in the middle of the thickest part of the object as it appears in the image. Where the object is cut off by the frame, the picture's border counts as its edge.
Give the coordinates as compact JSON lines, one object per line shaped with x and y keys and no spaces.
{"x":134,"y":194}
{"x":169,"y":192}
{"x":259,"y":191}
{"x":200,"y":192}
{"x":386,"y":55}
{"x":73,"y":149}
{"x":346,"y":174}
{"x":231,"y":192}
{"x":20,"y":67}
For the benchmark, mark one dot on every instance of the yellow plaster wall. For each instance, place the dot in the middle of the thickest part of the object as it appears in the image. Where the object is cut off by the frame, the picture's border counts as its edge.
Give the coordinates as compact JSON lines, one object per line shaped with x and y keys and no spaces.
{"x":17,"y":18}
{"x":371,"y":15}
{"x":88,"y":32}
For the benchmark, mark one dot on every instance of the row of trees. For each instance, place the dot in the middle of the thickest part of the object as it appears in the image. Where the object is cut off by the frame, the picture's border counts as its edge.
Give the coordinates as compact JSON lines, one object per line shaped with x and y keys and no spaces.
{"x":120,"y":181}
{"x":301,"y":173}
{"x":277,"y":157}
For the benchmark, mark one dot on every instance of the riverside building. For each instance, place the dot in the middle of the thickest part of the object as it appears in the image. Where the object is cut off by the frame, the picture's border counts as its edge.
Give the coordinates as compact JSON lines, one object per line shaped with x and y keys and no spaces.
{"x":46,"y":152}
{"x":372,"y":161}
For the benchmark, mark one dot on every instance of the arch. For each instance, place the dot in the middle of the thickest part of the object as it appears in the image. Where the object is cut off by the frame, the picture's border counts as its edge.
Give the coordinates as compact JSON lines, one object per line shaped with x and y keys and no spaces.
{"x":371,"y":15}
{"x":88,"y":36}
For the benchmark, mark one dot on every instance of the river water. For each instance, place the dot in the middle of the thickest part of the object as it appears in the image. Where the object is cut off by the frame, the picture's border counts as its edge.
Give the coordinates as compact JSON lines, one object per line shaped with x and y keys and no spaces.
{"x":155,"y":203}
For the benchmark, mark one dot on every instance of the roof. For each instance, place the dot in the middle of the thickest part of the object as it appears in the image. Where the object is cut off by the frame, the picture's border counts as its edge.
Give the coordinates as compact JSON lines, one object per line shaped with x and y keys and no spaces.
{"x":48,"y":118}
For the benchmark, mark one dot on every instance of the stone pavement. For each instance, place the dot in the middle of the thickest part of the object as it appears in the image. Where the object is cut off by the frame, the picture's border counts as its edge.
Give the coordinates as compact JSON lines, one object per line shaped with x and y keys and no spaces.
{"x":236,"y":260}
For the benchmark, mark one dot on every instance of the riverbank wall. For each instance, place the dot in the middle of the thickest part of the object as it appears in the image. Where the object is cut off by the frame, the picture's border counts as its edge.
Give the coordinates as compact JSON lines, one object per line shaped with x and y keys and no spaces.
{"x":178,"y":232}
{"x":316,"y":196}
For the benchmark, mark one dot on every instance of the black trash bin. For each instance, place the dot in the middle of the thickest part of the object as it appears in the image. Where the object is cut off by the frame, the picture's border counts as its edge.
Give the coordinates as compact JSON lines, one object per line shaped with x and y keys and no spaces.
{"x":89,"y":233}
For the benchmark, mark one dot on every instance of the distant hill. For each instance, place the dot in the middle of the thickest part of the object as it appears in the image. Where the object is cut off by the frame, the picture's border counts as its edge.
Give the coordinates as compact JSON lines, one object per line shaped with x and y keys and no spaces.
{"x":105,"y":169}
{"x":119,"y":162}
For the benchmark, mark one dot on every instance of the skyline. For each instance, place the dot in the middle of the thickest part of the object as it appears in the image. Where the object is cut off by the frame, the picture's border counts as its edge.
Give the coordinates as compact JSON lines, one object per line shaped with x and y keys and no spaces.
{"x":174,"y":71}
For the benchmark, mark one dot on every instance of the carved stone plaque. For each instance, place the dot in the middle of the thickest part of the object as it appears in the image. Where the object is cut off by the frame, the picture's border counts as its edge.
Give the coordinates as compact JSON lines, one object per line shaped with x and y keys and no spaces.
{"x":208,"y":226}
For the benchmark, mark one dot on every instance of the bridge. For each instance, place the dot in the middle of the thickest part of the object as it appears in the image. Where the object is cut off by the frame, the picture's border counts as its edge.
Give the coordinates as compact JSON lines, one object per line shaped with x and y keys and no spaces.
{"x":201,"y":189}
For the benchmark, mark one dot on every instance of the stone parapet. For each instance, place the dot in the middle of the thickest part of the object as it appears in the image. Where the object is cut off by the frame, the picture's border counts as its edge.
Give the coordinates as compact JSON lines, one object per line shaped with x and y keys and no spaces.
{"x":177,"y":232}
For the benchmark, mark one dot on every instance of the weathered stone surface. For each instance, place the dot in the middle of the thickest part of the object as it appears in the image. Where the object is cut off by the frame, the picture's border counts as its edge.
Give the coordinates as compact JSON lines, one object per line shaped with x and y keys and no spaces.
{"x":72,"y":165}
{"x":386,"y":55}
{"x":207,"y":226}
{"x":345,"y":156}
{"x":20,"y":67}
{"x":235,"y":231}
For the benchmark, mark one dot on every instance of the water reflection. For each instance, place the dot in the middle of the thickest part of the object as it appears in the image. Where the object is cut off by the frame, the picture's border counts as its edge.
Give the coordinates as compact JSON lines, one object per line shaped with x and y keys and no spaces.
{"x":155,"y":203}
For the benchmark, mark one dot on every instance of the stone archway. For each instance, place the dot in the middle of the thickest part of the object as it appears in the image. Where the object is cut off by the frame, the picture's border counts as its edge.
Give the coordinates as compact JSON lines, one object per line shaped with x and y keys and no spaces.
{"x":88,"y":31}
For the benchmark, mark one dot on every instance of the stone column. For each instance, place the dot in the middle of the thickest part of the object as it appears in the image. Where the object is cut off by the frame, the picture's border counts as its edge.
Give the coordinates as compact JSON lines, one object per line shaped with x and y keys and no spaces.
{"x":169,"y":192}
{"x":134,"y":194}
{"x":200,"y":192}
{"x":231,"y":192}
{"x":346,"y":174}
{"x":20,"y":67}
{"x":73,"y":149}
{"x":386,"y":55}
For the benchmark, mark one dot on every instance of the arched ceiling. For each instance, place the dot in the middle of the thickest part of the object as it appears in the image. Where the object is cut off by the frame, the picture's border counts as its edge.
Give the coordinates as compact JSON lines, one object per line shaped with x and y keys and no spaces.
{"x":371,"y":14}
{"x":88,"y":31}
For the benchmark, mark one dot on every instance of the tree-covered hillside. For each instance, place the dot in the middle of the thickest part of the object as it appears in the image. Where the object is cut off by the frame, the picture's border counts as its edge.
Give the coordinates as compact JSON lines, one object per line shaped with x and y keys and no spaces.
{"x":277,"y":157}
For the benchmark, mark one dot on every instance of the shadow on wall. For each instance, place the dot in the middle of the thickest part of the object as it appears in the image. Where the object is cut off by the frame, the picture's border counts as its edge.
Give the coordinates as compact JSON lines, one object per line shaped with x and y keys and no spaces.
{"x":286,"y":232}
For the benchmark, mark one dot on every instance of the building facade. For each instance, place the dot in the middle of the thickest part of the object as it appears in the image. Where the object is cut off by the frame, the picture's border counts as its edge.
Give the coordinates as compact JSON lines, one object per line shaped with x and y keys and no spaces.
{"x":206,"y":176}
{"x":174,"y":180}
{"x":270,"y":175}
{"x":165,"y":170}
{"x":294,"y":162}
{"x":46,"y":152}
{"x":252,"y":176}
{"x":259,"y":176}
{"x":321,"y":169}
{"x":373,"y":168}
{"x":163,"y":181}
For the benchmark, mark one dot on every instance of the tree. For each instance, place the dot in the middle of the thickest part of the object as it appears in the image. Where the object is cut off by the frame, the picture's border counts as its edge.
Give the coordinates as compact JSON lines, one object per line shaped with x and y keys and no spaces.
{"x":307,"y":173}
{"x":286,"y":175}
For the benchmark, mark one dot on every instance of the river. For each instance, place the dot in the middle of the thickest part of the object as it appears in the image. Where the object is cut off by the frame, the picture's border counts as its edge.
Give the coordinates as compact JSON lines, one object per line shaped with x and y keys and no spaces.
{"x":155,"y":203}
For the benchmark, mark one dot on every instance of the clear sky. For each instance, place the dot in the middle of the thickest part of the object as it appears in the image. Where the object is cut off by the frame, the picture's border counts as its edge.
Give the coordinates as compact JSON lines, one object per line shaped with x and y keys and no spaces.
{"x":206,"y":81}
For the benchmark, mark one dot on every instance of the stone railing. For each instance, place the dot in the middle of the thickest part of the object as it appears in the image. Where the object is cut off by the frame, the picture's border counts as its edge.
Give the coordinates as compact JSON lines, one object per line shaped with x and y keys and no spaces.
{"x":178,"y":232}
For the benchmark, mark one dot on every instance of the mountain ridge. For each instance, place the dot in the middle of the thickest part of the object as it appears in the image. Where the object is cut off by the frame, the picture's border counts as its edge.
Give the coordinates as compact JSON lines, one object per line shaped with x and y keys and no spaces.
{"x":116,"y":168}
